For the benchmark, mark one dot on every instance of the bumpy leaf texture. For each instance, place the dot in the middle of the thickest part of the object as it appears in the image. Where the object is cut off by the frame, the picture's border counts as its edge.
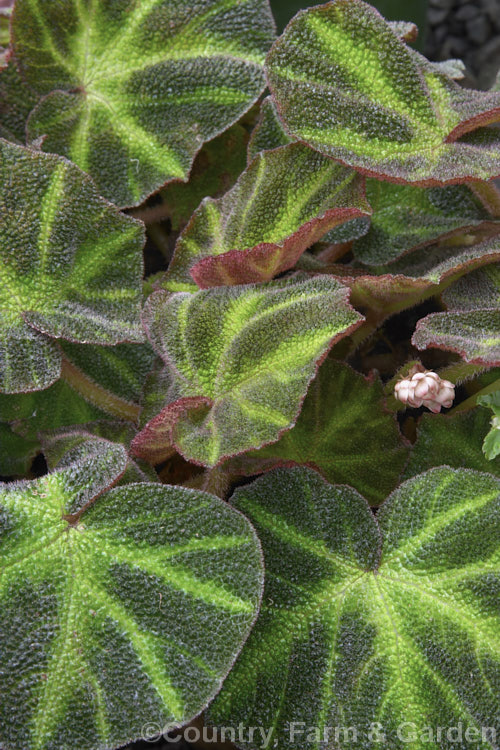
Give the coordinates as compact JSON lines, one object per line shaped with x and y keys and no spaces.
{"x":491,"y":443}
{"x":234,"y":383}
{"x":285,"y":201}
{"x":268,"y":133}
{"x":343,"y":431}
{"x":131,"y":91}
{"x":346,"y":84}
{"x":16,"y":102}
{"x":416,"y":276}
{"x":407,"y":217}
{"x":71,"y":267}
{"x":451,"y":439}
{"x":127,"y":614}
{"x":471,"y":327}
{"x":110,"y":377}
{"x":389,"y":624}
{"x":215,"y":170}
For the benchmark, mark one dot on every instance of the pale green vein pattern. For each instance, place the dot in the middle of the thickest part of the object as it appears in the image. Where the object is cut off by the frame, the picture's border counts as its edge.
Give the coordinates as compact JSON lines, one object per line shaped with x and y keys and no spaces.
{"x":386,"y":627}
{"x":128,"y":614}
{"x":59,"y":276}
{"x":347,"y":85}
{"x":131,"y":90}
{"x":244,"y":383}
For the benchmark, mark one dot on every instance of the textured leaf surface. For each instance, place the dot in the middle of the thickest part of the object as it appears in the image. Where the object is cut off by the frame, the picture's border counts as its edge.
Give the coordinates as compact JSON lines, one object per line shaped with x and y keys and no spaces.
{"x":286,"y":200}
{"x":350,"y":635}
{"x":71,"y":267}
{"x":235,"y":384}
{"x":130,"y":613}
{"x":134,"y":89}
{"x":406,"y":217}
{"x":110,"y":377}
{"x":16,"y":102}
{"x":268,"y":132}
{"x":343,"y":431}
{"x":215,"y":170}
{"x":413,"y":277}
{"x":472,"y":327}
{"x":348,"y":86}
{"x":454,"y":440}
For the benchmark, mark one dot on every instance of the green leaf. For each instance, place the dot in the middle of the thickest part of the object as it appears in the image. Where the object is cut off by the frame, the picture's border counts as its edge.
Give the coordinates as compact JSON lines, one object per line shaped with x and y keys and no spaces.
{"x":412,"y":278}
{"x":451,"y":439}
{"x":215,"y":170}
{"x":480,"y":289}
{"x":343,"y":431}
{"x":268,"y":132}
{"x":16,"y":102}
{"x":346,"y":84}
{"x":133,"y":90}
{"x":491,"y":444}
{"x":17,"y":452}
{"x":235,"y":384}
{"x":472,"y":326}
{"x":390,"y":626}
{"x":112,"y":378}
{"x":407,"y":217}
{"x":40,"y":411}
{"x":127,"y":613}
{"x":286,"y":200}
{"x":57,"y":444}
{"x":71,"y":267}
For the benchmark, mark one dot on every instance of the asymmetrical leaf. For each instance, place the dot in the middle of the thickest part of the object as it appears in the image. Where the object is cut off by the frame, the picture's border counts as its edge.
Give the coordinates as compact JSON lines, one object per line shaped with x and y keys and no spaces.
{"x":407,"y":217}
{"x":343,"y":431}
{"x":235,"y":384}
{"x":451,"y":439}
{"x":133,"y":90}
{"x":346,"y":84}
{"x":472,"y":327}
{"x":372,"y":629}
{"x":71,"y":267}
{"x":268,"y":132}
{"x":127,"y":611}
{"x":286,"y":200}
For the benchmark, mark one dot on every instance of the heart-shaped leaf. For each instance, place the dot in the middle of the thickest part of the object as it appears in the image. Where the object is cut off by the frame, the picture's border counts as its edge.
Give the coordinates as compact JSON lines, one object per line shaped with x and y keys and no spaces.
{"x":343,"y":431}
{"x":379,"y":630}
{"x":71,"y":267}
{"x":347,"y":85}
{"x":120,"y":615}
{"x":286,"y":200}
{"x":234,"y":384}
{"x":134,"y":89}
{"x":471,"y":328}
{"x":451,"y":439}
{"x":406,"y":217}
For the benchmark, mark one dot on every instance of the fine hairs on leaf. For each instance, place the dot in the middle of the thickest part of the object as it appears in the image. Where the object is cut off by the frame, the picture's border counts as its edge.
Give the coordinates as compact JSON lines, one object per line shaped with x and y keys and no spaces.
{"x":249,"y":380}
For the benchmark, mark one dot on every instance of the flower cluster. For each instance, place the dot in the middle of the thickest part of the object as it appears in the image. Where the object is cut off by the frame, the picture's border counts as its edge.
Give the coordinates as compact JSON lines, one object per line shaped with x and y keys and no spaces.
{"x":425,"y":389}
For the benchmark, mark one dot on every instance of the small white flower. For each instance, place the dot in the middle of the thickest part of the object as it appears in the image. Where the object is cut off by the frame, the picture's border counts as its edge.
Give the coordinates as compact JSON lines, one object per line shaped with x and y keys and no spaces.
{"x":425,"y":389}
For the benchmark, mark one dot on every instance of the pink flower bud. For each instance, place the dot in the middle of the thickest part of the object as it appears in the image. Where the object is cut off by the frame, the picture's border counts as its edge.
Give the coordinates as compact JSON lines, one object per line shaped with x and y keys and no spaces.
{"x":425,"y":389}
